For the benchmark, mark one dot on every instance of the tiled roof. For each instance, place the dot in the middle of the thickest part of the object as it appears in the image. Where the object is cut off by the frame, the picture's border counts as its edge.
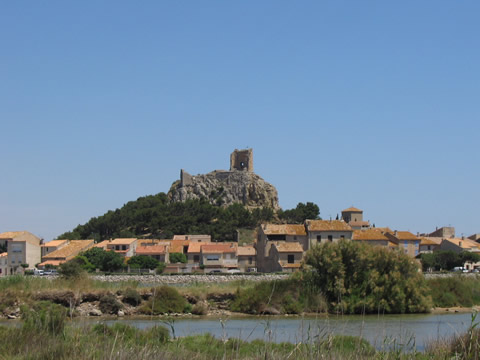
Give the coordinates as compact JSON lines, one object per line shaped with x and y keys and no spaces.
{"x":384,"y":229}
{"x":352,"y":209}
{"x":284,"y":229}
{"x":403,"y":235}
{"x":103,"y":244}
{"x":359,"y":223}
{"x":464,"y":243}
{"x":289,"y":247}
{"x":54,"y":243}
{"x":51,"y":262}
{"x":195,"y":237}
{"x":369,"y":234}
{"x":430,"y":240}
{"x":11,"y":234}
{"x":246,"y":251}
{"x":122,"y":241}
{"x":196,"y":247}
{"x":218,"y":248}
{"x":151,"y":250}
{"x":72,"y":249}
{"x":327,"y":225}
{"x":3,"y":254}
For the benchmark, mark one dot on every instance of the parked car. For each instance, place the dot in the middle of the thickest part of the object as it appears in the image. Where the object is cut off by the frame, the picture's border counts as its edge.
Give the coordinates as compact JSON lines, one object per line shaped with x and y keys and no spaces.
{"x":50,"y":272}
{"x":234,"y":271}
{"x":37,"y":272}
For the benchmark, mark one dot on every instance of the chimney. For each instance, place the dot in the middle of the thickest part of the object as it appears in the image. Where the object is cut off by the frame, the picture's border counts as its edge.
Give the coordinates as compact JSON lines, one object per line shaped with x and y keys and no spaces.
{"x":395,"y":233}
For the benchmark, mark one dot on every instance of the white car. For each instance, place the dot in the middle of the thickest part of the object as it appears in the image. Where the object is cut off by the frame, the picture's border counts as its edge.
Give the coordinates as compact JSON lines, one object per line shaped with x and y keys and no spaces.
{"x":37,"y":272}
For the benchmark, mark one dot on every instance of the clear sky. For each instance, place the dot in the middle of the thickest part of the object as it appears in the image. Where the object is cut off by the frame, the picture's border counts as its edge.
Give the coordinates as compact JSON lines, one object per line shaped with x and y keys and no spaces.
{"x":367,"y":103}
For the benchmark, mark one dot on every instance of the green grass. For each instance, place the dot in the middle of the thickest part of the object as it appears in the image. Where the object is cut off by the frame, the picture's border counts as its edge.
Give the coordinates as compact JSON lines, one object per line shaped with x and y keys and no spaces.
{"x":455,"y":290}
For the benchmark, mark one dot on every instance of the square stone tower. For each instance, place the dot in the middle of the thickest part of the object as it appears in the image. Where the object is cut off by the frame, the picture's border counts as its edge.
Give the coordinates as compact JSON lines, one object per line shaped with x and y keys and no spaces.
{"x":241,"y":160}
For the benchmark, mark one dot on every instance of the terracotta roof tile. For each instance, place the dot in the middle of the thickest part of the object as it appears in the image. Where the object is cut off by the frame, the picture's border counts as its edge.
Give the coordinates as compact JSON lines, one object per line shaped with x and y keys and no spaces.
{"x":403,"y":235}
{"x":284,"y":229}
{"x":288,"y":247}
{"x":196,"y":247}
{"x":11,"y":234}
{"x":51,"y":262}
{"x":369,"y":234}
{"x":430,"y":240}
{"x":54,"y":243}
{"x":352,"y":209}
{"x":327,"y":225}
{"x":359,"y":223}
{"x":72,"y":249}
{"x":151,"y":250}
{"x":122,"y":241}
{"x":464,"y":243}
{"x":246,"y":251}
{"x":3,"y":254}
{"x":219,"y":248}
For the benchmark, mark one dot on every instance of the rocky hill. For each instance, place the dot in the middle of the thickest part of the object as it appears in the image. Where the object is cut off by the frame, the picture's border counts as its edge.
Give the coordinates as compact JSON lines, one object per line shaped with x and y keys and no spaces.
{"x":225,"y":188}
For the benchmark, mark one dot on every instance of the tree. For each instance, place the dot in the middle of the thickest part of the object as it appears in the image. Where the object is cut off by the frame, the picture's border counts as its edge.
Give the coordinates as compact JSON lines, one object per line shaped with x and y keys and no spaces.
{"x":358,"y":278}
{"x":104,"y":260}
{"x":71,"y":269}
{"x":301,"y":213}
{"x":177,"y":258}
{"x":143,"y":262}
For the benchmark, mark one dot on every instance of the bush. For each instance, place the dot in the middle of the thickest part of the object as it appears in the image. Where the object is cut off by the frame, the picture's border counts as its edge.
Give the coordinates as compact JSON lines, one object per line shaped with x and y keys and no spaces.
{"x":71,"y":269}
{"x":143,"y":262}
{"x":44,"y":316}
{"x":358,"y":278}
{"x":160,"y":268}
{"x":109,"y":304}
{"x":455,"y":291}
{"x":165,"y":300}
{"x":132,"y":297}
{"x":128,"y":333}
{"x":200,"y":308}
{"x":177,"y":258}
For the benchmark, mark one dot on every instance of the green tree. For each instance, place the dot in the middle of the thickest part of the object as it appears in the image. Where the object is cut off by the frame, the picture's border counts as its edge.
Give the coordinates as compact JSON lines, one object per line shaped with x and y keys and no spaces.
{"x":143,"y":262}
{"x":358,"y":278}
{"x":104,"y":260}
{"x":71,"y":269}
{"x":177,"y":258}
{"x":301,"y":213}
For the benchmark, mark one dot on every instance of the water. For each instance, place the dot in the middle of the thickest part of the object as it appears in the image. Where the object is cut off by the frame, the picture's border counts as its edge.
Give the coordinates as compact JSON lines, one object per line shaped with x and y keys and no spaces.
{"x":406,"y":332}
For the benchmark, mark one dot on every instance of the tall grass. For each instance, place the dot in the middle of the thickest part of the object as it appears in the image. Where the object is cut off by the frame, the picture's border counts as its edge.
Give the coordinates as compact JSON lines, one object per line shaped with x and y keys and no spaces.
{"x":455,"y":290}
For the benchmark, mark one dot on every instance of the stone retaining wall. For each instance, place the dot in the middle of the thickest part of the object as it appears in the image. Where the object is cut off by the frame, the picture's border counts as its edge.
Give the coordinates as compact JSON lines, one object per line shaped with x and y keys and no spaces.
{"x":186,"y":279}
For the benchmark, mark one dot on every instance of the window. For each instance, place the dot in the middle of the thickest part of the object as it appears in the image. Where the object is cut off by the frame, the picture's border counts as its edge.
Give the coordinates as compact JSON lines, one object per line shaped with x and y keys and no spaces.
{"x":342,"y":237}
{"x":213,"y":257}
{"x":250,"y":260}
{"x":291,"y":259}
{"x":196,"y":258}
{"x":429,"y":247}
{"x":330,"y":238}
{"x":124,"y":247}
{"x":319,"y":238}
{"x":294,"y":238}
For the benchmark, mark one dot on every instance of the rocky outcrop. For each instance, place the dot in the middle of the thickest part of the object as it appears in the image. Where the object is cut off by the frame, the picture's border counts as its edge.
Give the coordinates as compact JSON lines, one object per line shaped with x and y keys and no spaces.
{"x":225,"y":188}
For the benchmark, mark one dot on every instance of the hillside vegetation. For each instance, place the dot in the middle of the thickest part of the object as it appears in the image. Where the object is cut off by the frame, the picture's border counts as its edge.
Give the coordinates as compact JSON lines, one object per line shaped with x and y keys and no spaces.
{"x":158,"y":217}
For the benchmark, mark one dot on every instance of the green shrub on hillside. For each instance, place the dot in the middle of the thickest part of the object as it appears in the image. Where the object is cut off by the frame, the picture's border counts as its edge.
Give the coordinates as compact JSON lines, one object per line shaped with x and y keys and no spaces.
{"x":358,"y":278}
{"x":109,"y":304}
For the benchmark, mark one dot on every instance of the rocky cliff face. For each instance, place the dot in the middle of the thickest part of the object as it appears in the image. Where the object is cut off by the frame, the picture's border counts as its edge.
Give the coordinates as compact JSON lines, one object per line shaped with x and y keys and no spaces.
{"x":225,"y":188}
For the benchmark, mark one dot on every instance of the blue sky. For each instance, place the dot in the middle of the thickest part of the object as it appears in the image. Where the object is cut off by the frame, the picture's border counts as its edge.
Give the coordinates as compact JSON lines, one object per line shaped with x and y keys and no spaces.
{"x":373,"y":104}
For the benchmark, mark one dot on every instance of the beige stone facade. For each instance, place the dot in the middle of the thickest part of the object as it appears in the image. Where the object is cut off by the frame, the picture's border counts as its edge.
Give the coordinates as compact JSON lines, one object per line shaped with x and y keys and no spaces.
{"x":320,"y":231}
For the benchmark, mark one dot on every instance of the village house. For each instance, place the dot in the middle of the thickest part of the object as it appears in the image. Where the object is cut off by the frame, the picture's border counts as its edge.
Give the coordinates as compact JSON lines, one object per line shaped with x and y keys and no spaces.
{"x":23,"y":249}
{"x":429,"y":244}
{"x":194,"y":252}
{"x":52,"y":246}
{"x":284,"y":257}
{"x":373,"y":237}
{"x":194,"y":238}
{"x":66,"y":252}
{"x":124,"y":247}
{"x":246,"y":258}
{"x":459,"y":245}
{"x":3,"y":264}
{"x":406,"y":241}
{"x":354,"y":218}
{"x":327,"y":230}
{"x":268,"y":233}
{"x":158,"y":252}
{"x":219,"y":257}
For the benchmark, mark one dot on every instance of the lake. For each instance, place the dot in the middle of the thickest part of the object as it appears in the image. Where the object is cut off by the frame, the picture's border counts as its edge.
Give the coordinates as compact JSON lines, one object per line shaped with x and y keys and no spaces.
{"x":407,"y":332}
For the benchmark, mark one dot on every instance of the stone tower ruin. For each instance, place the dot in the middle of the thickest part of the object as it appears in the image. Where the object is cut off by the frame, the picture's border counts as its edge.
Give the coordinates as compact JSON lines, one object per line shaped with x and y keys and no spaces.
{"x":241,"y":160}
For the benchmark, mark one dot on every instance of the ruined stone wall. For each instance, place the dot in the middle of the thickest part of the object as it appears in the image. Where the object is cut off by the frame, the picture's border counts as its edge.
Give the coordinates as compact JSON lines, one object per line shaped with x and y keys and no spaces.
{"x":241,"y":160}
